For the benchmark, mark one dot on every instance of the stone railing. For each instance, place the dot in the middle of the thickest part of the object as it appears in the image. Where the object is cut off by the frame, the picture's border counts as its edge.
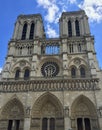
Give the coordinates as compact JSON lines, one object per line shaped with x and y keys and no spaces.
{"x":49,"y":85}
{"x":50,"y":47}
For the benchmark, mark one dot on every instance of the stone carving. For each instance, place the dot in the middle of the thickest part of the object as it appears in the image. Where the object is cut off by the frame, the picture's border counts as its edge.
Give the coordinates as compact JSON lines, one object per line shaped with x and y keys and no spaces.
{"x":22,"y":63}
{"x":15,"y":111}
{"x":28,"y":110}
{"x":82,"y":110}
{"x":48,"y":109}
{"x":56,"y":85}
{"x":77,"y":61}
{"x":100,"y":112}
{"x":66,"y":111}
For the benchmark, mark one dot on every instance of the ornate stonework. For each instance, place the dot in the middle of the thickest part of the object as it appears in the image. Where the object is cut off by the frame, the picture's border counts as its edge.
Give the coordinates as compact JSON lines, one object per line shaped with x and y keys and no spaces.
{"x":51,"y":83}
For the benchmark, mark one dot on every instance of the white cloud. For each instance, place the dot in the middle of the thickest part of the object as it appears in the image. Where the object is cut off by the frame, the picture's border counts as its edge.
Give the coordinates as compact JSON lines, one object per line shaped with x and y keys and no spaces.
{"x":72,"y":1}
{"x":93,"y":9}
{"x":54,"y":9}
{"x":51,"y":8}
{"x":0,"y":70}
{"x":52,"y":12}
{"x":51,"y":32}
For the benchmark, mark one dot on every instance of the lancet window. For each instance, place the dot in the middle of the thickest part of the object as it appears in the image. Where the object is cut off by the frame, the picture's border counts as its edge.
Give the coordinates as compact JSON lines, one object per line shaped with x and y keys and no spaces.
{"x":31,"y":36}
{"x":77,"y":28}
{"x":24,"y":31}
{"x":69,"y":29}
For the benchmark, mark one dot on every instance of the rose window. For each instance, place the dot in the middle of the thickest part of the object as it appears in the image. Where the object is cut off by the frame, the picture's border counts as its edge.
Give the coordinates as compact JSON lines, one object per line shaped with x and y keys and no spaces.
{"x":50,"y":69}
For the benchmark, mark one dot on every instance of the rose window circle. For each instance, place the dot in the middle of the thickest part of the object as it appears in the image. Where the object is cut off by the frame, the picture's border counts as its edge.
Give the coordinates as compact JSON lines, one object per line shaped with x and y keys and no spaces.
{"x":50,"y":69}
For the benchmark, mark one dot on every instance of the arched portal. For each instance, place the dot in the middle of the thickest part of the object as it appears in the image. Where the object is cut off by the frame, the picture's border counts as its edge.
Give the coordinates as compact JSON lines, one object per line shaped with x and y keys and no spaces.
{"x":12,"y":115}
{"x":83,"y":114}
{"x":47,"y":113}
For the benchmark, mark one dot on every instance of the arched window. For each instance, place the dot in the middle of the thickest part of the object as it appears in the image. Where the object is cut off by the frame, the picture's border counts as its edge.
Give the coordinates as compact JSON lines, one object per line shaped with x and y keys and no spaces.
{"x":31,"y":31}
{"x":69,"y":28}
{"x":79,"y":47}
{"x":82,"y":72}
{"x":77,"y":28}
{"x":26,"y":74}
{"x":71,"y":50}
{"x":24,"y":31}
{"x":17,"y":74}
{"x":73,"y":72}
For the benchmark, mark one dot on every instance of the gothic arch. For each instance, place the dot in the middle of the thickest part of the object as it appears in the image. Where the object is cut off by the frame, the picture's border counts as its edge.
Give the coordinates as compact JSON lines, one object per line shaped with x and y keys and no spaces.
{"x":45,"y":100}
{"x":13,"y":108}
{"x":83,"y":109}
{"x":86,"y":101}
{"x":77,"y":61}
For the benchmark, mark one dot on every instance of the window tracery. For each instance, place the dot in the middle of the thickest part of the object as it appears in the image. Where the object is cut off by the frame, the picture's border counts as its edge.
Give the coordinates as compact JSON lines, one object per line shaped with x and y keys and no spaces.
{"x":50,"y":69}
{"x":23,"y":49}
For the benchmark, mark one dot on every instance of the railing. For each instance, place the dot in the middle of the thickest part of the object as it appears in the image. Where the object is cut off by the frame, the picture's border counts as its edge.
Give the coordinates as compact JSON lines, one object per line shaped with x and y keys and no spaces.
{"x":50,"y":47}
{"x":49,"y":85}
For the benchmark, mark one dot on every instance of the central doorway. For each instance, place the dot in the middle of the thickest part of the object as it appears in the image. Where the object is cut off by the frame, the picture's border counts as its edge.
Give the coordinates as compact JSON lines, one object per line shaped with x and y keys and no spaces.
{"x":47,"y":113}
{"x":48,"y":124}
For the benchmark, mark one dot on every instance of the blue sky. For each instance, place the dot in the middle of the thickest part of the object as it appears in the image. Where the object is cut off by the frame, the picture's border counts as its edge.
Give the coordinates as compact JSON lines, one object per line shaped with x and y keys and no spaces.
{"x":50,"y":11}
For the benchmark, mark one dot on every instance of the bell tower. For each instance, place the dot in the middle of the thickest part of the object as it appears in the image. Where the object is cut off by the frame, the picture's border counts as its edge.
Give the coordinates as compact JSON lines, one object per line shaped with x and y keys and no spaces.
{"x":74,"y":24}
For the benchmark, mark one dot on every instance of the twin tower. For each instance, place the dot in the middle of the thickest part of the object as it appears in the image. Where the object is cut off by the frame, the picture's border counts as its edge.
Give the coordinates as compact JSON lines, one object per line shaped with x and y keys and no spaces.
{"x":51,"y":83}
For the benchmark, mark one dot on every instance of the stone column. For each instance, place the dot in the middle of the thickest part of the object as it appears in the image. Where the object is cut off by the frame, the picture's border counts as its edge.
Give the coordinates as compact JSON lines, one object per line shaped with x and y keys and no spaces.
{"x":73,"y":28}
{"x":65,"y":57}
{"x":27,"y":123}
{"x":19,"y":34}
{"x":67,"y":121}
{"x":38,"y":29}
{"x":86,"y":26}
{"x":65,"y":28}
{"x":28,"y":31}
{"x":82,"y":31}
{"x":16,"y":30}
{"x":60,"y":27}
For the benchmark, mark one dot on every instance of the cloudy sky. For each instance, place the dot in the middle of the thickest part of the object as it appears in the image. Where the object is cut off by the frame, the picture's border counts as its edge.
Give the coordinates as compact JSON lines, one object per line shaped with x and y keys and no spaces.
{"x":50,"y":11}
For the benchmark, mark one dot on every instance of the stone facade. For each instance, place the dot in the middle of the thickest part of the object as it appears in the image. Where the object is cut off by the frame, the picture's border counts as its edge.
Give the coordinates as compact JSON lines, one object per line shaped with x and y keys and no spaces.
{"x":51,"y":83}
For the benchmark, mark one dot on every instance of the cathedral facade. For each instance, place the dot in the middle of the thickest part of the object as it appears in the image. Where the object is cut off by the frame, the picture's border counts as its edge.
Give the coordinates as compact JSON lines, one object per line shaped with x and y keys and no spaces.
{"x":51,"y":83}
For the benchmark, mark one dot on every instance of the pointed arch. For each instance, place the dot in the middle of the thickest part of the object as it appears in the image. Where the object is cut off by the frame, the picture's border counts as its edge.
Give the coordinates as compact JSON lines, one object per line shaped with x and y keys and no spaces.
{"x":69,"y":28}
{"x":26,"y":73}
{"x":83,"y":114}
{"x":31,"y":36}
{"x":82,"y":72}
{"x":24,"y":31}
{"x":77,"y":28}
{"x":85,"y":100}
{"x":73,"y":71}
{"x":47,"y":98}
{"x":12,"y":108}
{"x":17,"y":73}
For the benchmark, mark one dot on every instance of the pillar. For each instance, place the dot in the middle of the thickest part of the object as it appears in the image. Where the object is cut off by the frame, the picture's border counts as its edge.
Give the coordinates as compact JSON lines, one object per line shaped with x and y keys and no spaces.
{"x":27,"y":123}
{"x":67,"y":121}
{"x":73,"y":28}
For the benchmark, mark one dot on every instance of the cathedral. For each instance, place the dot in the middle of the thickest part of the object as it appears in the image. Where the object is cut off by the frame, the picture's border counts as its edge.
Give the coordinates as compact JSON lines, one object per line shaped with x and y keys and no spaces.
{"x":51,"y":83}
